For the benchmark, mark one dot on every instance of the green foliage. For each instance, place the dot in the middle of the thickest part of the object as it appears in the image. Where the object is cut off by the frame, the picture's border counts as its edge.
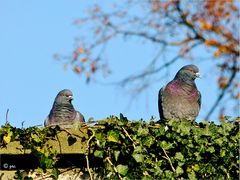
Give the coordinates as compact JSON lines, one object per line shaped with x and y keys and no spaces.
{"x":145,"y":150}
{"x":33,"y":139}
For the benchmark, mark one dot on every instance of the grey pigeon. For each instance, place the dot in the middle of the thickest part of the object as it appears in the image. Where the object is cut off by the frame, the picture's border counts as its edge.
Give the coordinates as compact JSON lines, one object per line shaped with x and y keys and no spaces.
{"x":180,"y":98}
{"x":63,"y":112}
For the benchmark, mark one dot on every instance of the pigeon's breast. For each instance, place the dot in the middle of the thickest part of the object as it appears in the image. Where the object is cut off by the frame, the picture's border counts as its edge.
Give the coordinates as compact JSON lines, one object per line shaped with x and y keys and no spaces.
{"x":179,"y":103}
{"x":186,"y":93}
{"x":62,"y":114}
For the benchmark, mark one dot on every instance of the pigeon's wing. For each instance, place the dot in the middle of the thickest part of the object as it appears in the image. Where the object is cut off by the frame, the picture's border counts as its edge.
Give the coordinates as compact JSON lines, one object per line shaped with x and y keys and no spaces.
{"x":49,"y":119}
{"x":199,"y":99}
{"x":46,"y":122}
{"x":160,"y":108}
{"x":79,"y":117}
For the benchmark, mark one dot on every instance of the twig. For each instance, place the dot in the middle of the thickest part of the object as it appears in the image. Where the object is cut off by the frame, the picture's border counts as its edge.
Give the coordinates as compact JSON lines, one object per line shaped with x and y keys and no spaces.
{"x":86,"y":156}
{"x":169,"y":160}
{"x":147,"y":72}
{"x":221,"y":95}
{"x":152,"y":38}
{"x":7,"y":116}
{"x":90,"y":174}
{"x":115,"y":169}
{"x":156,"y":126}
{"x":97,"y":126}
{"x":48,"y":174}
{"x":125,"y":131}
{"x":69,"y":133}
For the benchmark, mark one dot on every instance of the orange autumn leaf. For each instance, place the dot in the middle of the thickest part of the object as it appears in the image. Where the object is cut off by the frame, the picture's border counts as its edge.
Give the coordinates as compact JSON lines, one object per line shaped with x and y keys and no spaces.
{"x":204,"y":25}
{"x":229,"y":35}
{"x":217,"y":29}
{"x":217,"y":53}
{"x":222,"y":49}
{"x":93,"y":67}
{"x":83,"y":60}
{"x":81,"y":50}
{"x":77,"y":69}
{"x":211,"y":42}
{"x":225,"y":49}
{"x":222,"y":82}
{"x":222,"y":114}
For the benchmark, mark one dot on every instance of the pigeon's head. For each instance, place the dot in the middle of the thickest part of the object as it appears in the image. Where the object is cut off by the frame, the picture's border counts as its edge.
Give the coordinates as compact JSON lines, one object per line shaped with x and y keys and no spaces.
{"x":188,"y":73}
{"x":64,"y":97}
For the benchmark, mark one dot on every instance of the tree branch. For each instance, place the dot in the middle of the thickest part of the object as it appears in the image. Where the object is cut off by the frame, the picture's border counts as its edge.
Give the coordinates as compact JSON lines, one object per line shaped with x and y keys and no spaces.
{"x":86,"y":155}
{"x":148,"y":37}
{"x":223,"y":92}
{"x":147,"y":72}
{"x":169,"y":160}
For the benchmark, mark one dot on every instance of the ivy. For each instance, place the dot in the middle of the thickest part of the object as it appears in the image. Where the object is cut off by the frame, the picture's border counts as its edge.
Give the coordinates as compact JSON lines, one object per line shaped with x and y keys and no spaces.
{"x":142,"y":150}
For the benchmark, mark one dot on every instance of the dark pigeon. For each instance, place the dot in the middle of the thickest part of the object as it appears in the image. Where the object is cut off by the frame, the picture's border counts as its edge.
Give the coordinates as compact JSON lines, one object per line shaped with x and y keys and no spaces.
{"x":180,"y":98}
{"x":63,"y":112}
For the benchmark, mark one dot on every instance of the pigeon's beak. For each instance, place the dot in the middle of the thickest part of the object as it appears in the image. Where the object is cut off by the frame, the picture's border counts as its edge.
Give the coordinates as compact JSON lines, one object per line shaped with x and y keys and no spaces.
{"x":70,"y":98}
{"x":198,"y":75}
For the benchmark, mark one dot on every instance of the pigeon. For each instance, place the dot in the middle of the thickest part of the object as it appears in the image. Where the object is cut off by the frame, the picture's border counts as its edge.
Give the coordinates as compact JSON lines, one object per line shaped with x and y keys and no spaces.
{"x":180,"y":98}
{"x":63,"y":113}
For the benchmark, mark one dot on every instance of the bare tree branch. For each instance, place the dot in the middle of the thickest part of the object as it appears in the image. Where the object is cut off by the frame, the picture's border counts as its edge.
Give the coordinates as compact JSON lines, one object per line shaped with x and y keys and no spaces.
{"x":223,"y":92}
{"x":170,"y":24}
{"x":147,"y":72}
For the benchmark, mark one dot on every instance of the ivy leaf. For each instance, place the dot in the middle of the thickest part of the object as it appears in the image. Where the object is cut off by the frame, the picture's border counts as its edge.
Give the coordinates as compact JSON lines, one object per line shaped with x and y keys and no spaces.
{"x":143,"y":131}
{"x":45,"y":162}
{"x":192,"y":175}
{"x":198,"y":157}
{"x":138,"y":157}
{"x":99,"y":136}
{"x":184,"y":128}
{"x":210,"y":149}
{"x":55,"y":173}
{"x":219,"y":141}
{"x":179,"y":156}
{"x":71,"y":140}
{"x":196,"y":167}
{"x":138,"y":149}
{"x":122,"y":169}
{"x":179,"y":170}
{"x":169,"y":174}
{"x":7,"y":138}
{"x":36,"y":138}
{"x":123,"y":118}
{"x":148,"y":141}
{"x":116,"y":155}
{"x":222,"y":152}
{"x":166,"y":145}
{"x":98,"y":154}
{"x":113,"y":136}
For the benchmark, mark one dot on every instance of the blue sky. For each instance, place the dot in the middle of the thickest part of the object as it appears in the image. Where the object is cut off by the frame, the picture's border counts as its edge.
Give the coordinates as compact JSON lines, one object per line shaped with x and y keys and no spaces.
{"x":32,"y":31}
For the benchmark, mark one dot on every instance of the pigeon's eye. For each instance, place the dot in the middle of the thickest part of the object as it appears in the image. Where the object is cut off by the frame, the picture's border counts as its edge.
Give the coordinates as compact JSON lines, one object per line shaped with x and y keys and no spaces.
{"x":68,"y":96}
